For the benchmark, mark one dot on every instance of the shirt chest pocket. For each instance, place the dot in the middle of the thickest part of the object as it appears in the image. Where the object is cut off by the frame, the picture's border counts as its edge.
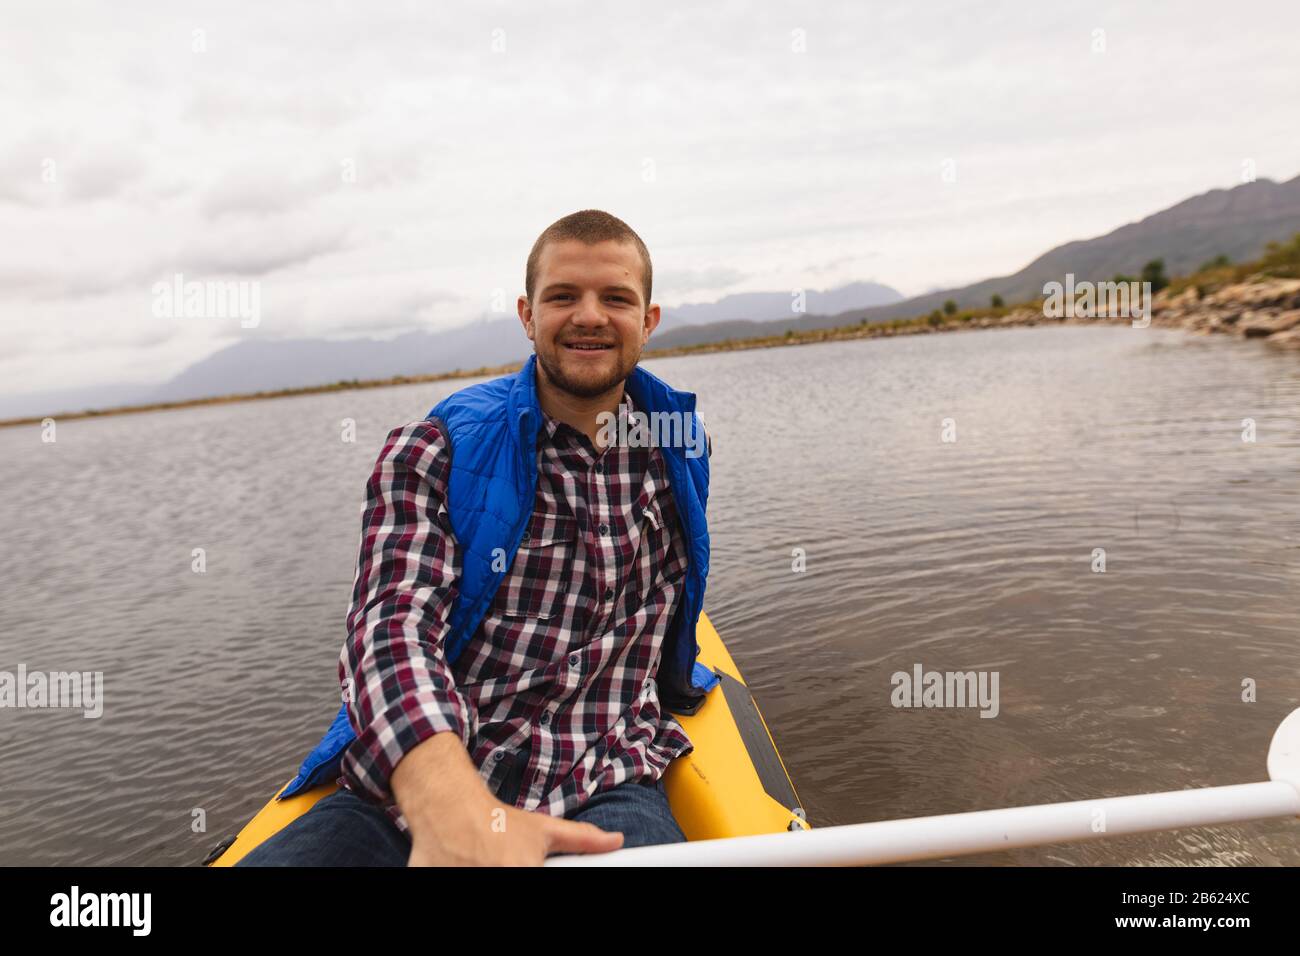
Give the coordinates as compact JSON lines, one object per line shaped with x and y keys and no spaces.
{"x":657,"y":562}
{"x":538,"y":583}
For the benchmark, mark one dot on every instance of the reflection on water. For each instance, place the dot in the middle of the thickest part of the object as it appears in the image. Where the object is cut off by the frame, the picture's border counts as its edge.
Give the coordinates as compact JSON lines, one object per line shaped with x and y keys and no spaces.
{"x":973,"y":554}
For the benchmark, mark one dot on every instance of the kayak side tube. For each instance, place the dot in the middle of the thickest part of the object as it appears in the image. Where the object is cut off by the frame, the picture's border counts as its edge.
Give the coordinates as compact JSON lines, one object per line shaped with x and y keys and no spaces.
{"x":733,"y":783}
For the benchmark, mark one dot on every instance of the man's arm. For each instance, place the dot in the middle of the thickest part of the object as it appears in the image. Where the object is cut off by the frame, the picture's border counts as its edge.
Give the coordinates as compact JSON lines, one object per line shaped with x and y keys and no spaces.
{"x":413,"y":724}
{"x":402,"y":689}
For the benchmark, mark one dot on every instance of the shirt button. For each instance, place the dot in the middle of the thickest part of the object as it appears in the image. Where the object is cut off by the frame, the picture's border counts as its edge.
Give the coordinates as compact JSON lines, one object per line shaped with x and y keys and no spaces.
{"x":604,"y":529}
{"x":498,"y":755}
{"x":546,"y":716}
{"x":600,"y":468}
{"x":609,"y":594}
{"x":573,"y":660}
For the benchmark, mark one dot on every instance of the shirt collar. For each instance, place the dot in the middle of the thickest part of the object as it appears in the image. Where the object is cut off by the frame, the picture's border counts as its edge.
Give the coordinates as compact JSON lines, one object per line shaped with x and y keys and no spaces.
{"x":553,"y":425}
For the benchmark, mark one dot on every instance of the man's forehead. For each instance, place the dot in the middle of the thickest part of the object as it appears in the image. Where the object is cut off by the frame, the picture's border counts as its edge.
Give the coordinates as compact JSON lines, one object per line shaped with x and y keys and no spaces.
{"x":577,"y":263}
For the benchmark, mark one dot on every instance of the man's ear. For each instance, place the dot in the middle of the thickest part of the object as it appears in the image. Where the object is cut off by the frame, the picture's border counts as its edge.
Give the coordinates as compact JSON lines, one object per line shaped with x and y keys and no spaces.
{"x":526,"y":316}
{"x":650,"y":323}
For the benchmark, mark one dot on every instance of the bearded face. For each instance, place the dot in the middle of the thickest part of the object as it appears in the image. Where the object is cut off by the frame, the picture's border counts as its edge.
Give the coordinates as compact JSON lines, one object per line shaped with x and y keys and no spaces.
{"x":589,"y":323}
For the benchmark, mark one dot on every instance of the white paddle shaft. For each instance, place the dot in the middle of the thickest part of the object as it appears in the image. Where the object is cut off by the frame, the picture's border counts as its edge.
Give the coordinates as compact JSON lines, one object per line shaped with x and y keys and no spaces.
{"x":958,"y":834}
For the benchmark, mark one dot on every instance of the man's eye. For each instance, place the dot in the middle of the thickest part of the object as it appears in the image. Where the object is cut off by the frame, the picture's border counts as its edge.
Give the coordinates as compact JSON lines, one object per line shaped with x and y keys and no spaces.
{"x":617,"y":298}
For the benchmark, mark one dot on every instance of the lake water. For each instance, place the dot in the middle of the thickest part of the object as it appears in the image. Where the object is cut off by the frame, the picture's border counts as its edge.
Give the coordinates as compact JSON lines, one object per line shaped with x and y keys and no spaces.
{"x":973,"y":554}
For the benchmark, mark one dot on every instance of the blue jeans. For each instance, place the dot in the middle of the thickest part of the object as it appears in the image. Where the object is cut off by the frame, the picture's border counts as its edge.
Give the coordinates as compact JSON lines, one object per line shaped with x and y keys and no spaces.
{"x":345,"y":830}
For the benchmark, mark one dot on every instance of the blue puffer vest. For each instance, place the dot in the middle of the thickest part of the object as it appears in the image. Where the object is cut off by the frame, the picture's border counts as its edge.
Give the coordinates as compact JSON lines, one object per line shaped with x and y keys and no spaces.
{"x":492,"y":429}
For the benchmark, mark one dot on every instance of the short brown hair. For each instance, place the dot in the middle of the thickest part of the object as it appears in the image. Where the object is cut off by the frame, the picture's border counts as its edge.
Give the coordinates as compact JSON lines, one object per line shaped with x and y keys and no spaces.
{"x":589,"y":226}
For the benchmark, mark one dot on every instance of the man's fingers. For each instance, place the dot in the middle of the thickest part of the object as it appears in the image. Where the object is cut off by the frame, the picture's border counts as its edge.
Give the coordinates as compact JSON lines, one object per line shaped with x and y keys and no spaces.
{"x":570,"y":836}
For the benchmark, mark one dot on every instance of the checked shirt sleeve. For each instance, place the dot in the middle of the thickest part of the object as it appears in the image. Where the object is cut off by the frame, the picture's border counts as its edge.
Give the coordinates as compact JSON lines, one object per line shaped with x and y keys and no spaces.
{"x":405,"y":586}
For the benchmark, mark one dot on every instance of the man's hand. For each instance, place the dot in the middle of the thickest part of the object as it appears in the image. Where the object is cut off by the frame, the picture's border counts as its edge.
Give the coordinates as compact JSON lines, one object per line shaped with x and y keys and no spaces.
{"x":455,"y":820}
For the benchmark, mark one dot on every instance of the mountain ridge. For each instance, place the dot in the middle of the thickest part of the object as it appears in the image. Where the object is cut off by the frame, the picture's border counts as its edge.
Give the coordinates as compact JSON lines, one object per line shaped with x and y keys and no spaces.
{"x":1237,"y":222}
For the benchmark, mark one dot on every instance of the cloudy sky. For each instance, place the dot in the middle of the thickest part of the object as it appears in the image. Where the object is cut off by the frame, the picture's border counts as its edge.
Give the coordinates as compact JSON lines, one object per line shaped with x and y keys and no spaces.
{"x":378,"y":167}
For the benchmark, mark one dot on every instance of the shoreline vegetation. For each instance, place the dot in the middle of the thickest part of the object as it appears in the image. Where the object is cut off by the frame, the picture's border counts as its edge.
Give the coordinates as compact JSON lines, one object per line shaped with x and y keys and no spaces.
{"x":1259,"y":299}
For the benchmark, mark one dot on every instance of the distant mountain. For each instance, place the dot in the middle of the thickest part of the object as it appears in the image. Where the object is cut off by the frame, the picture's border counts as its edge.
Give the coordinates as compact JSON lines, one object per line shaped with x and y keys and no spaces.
{"x":1236,"y":222}
{"x":263,"y":365}
{"x":757,"y":306}
{"x":260,"y":365}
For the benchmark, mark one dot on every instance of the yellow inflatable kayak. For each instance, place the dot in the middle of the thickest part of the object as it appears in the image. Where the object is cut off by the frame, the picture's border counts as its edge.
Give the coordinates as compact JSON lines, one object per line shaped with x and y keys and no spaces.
{"x":732,"y":784}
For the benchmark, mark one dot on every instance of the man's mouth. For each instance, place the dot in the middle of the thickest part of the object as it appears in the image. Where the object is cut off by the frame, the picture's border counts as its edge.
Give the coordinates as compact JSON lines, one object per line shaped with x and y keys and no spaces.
{"x":589,"y":346}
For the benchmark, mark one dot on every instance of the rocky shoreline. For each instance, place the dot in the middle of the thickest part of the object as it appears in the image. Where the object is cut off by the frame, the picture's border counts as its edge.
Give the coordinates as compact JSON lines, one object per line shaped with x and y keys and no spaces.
{"x":1260,"y":307}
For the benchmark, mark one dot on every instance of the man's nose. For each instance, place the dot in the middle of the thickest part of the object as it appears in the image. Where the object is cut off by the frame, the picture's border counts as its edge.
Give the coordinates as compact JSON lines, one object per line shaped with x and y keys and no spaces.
{"x":589,"y":313}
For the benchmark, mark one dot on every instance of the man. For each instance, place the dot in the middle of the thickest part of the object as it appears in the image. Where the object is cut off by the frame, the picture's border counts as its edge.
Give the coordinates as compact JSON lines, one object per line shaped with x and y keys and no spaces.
{"x":526,"y":597}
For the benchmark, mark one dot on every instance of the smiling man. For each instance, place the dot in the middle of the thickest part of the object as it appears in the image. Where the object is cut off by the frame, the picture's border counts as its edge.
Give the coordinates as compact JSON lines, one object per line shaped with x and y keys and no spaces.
{"x":523,"y":615}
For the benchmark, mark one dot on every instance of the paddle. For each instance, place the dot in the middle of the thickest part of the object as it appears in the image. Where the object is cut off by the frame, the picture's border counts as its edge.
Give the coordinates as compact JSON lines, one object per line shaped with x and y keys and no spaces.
{"x":958,"y":834}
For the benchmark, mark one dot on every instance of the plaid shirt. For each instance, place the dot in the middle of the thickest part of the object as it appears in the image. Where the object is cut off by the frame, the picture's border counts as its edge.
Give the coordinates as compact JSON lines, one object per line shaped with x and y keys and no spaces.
{"x":563,"y":666}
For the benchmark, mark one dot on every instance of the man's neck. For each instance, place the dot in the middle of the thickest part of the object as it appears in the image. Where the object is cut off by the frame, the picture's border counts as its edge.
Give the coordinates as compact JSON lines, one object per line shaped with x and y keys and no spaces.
{"x":580,"y":413}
